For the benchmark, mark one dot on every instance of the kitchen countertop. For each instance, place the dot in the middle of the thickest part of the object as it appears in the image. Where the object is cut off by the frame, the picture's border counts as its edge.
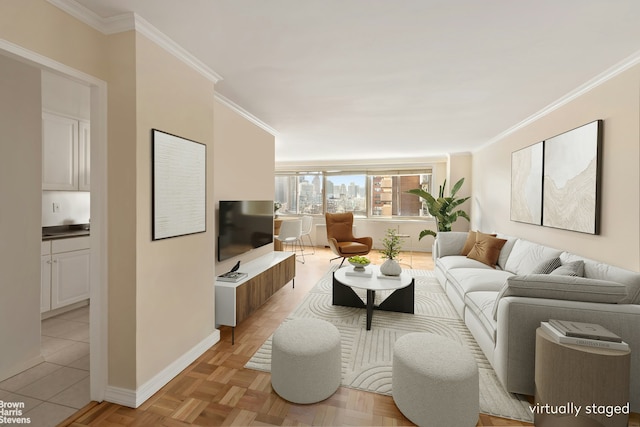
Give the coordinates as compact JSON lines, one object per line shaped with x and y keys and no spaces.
{"x":65,"y":231}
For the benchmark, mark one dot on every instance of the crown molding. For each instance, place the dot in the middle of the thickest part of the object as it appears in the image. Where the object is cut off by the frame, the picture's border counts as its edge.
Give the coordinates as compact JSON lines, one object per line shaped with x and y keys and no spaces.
{"x":144,"y":27}
{"x":244,"y":113}
{"x":131,"y":21}
{"x":601,"y":78}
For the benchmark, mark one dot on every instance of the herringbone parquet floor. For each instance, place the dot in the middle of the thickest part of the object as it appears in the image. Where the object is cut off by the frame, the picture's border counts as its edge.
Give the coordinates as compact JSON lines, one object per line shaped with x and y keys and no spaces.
{"x":216,"y":390}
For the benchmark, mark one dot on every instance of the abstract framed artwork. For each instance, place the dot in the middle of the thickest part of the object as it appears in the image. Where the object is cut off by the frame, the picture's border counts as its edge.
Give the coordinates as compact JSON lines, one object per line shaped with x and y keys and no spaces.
{"x":571,"y":182}
{"x":526,"y":184}
{"x":179,"y":186}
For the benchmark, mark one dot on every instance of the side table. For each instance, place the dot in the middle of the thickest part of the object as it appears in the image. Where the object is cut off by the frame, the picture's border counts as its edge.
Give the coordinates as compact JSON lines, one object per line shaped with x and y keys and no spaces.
{"x":579,"y":385}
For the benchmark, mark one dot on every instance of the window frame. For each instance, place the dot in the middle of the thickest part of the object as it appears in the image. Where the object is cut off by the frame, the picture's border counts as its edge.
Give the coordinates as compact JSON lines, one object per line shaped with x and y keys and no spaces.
{"x":368,"y":175}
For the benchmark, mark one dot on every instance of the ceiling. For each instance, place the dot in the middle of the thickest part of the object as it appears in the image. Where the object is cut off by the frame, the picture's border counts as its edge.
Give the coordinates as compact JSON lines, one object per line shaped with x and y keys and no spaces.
{"x":382,"y":79}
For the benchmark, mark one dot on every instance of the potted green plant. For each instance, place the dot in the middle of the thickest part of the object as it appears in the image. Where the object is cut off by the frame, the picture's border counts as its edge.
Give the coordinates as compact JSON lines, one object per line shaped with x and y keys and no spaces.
{"x":443,"y":209}
{"x":391,"y":245}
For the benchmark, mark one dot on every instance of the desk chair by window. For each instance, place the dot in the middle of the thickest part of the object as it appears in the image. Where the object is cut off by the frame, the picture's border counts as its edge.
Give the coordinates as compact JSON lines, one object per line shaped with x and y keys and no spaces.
{"x":290,"y":234}
{"x":341,"y":239}
{"x":307,"y":223}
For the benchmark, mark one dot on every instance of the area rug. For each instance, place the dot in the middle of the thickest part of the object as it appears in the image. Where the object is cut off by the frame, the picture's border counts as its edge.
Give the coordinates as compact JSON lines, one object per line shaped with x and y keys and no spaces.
{"x":367,"y":355}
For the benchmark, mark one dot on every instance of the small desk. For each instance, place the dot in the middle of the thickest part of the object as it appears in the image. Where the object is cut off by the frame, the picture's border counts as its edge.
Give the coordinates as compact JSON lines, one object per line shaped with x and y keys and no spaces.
{"x":401,"y":300}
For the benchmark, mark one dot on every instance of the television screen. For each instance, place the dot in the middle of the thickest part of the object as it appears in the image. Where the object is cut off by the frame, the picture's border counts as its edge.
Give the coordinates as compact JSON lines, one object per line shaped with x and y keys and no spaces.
{"x":243,"y":225}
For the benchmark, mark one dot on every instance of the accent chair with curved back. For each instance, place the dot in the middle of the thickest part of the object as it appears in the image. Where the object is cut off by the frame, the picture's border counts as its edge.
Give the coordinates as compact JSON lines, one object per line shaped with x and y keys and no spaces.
{"x":341,"y":239}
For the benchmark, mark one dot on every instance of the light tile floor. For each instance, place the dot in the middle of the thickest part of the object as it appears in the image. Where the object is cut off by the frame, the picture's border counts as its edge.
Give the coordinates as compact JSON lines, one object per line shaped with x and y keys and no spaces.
{"x":58,"y":387}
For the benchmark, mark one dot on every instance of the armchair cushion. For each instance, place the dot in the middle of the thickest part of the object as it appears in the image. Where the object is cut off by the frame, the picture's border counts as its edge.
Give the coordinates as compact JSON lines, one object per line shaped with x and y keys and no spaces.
{"x":351,"y":248}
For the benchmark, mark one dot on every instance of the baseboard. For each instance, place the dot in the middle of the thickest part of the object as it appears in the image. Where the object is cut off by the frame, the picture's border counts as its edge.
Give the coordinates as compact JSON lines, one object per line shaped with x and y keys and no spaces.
{"x":135,"y":398}
{"x":21,"y":367}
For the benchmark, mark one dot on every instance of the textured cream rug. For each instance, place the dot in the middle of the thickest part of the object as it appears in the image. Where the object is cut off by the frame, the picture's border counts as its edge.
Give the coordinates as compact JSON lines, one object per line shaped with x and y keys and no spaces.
{"x":367,"y":355}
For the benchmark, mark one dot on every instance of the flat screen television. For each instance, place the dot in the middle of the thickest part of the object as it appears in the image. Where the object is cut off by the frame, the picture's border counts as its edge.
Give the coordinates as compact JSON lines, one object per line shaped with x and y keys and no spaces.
{"x":243,"y":225}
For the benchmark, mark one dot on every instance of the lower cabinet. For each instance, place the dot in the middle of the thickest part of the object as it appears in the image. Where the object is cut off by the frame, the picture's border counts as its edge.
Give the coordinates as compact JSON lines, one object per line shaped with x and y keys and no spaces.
{"x":265,"y":276}
{"x":65,"y":273}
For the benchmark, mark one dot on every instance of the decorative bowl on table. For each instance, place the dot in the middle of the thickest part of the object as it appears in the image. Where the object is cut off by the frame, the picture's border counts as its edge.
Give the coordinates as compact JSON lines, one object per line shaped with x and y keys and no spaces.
{"x":359,"y":262}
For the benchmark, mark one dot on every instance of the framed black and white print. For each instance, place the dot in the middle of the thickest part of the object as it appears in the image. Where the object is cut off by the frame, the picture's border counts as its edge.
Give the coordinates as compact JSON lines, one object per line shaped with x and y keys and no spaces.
{"x":179,"y":186}
{"x":526,"y":184}
{"x":572,"y":179}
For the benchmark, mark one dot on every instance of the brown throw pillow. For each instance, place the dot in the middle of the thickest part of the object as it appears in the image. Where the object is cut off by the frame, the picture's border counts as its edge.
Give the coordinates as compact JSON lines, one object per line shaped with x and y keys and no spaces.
{"x":486,"y":249}
{"x":471,"y":240}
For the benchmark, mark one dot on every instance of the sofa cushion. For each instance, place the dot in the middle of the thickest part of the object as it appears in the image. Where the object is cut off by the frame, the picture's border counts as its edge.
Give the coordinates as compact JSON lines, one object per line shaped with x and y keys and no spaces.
{"x":481,"y":304}
{"x":486,"y":249}
{"x":474,"y":279}
{"x":449,"y":243}
{"x":525,"y":256}
{"x":547,"y":266}
{"x":459,"y":261}
{"x":570,"y":288}
{"x":573,"y":268}
{"x":506,"y":249}
{"x":601,"y":271}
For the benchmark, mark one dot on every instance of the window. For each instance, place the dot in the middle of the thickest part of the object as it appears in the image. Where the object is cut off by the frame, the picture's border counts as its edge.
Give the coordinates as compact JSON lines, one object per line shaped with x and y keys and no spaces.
{"x":299,"y":193}
{"x":373,"y":194}
{"x":347,"y":193}
{"x":389,"y":195}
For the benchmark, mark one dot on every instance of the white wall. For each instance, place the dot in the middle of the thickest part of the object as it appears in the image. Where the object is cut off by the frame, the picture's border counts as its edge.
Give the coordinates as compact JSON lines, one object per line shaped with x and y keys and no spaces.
{"x":74,"y":207}
{"x":20,"y":232}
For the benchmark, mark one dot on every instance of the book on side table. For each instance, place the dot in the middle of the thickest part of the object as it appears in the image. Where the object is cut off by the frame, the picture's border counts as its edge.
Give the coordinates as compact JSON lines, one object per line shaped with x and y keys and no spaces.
{"x":590,"y":331}
{"x":561,"y":337}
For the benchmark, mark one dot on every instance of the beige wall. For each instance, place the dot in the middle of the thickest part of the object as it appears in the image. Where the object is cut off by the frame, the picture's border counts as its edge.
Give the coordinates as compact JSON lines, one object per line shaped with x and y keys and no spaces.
{"x":160,"y":293}
{"x":122,"y":196}
{"x":244,"y":157}
{"x":39,"y":26}
{"x":174,"y":278}
{"x":21,"y":190}
{"x":460,"y":166}
{"x":617,"y":102}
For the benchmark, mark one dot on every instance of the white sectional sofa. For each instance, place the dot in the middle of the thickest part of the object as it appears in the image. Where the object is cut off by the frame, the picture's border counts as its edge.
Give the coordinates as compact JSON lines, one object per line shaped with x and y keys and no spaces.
{"x":503,"y":305}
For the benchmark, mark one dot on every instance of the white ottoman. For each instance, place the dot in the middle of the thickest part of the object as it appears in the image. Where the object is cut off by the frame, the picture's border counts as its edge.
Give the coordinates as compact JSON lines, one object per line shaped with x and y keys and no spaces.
{"x":435,"y":381}
{"x":306,"y":360}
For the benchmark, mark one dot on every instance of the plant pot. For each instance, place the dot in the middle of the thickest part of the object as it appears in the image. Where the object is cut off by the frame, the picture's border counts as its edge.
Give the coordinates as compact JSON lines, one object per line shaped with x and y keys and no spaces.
{"x":390,"y":268}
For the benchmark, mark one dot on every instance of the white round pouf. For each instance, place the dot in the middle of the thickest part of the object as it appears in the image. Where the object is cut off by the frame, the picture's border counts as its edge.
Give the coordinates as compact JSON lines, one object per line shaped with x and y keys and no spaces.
{"x":306,"y":362}
{"x":435,"y":381}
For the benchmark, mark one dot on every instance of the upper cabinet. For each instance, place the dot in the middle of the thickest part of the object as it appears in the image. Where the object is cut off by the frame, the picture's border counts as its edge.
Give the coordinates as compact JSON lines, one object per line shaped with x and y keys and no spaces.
{"x":84,"y":156}
{"x":65,"y":153}
{"x":65,"y":133}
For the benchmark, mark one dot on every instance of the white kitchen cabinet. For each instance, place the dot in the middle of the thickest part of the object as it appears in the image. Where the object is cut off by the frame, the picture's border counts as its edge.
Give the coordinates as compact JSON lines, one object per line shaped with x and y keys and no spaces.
{"x":65,"y":153}
{"x":84,"y":156}
{"x":69,"y":277}
{"x":45,"y":283}
{"x":65,"y":276}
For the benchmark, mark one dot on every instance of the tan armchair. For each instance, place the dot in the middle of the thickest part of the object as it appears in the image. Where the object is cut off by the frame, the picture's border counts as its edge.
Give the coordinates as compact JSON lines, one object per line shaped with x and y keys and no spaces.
{"x":341,"y":239}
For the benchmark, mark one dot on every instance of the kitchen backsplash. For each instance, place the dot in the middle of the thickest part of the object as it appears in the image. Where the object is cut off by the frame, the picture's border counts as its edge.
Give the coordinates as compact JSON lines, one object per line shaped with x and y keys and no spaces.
{"x":72,"y":207}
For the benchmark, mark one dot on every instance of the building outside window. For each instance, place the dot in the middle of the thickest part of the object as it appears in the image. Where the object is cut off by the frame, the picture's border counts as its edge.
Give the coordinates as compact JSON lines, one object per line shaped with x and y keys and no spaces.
{"x":389,"y":197}
{"x":373,"y":194}
{"x":346,"y":193}
{"x":299,"y":193}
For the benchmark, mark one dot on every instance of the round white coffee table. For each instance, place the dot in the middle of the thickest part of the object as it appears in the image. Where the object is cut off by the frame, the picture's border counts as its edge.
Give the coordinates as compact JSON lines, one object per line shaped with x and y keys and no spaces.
{"x":346,"y":278}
